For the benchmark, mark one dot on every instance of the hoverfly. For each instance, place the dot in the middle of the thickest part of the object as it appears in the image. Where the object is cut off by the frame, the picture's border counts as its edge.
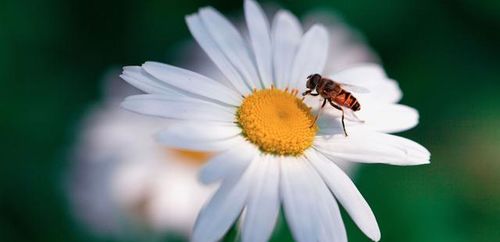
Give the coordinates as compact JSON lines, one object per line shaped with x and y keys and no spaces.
{"x":335,"y":93}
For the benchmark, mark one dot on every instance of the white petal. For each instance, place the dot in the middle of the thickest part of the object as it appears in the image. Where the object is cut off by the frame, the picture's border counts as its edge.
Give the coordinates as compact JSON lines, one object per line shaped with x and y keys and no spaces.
{"x":311,"y":56}
{"x":286,"y":34}
{"x":332,"y":226}
{"x":377,"y":116}
{"x":263,"y":202}
{"x":372,"y":77}
{"x":206,"y":136}
{"x":192,"y":82}
{"x":348,"y":195}
{"x":180,"y":108}
{"x":140,"y":79}
{"x":224,"y":207}
{"x":372,"y":147}
{"x":229,"y":163}
{"x":258,"y":27}
{"x":208,"y":44}
{"x":297,"y":194}
{"x":307,"y":201}
{"x":388,"y":118}
{"x":231,"y":43}
{"x":329,"y":123}
{"x":328,"y":213}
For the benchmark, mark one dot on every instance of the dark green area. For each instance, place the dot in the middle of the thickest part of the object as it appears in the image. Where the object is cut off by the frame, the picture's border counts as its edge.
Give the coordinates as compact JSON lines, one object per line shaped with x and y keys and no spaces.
{"x":445,"y":55}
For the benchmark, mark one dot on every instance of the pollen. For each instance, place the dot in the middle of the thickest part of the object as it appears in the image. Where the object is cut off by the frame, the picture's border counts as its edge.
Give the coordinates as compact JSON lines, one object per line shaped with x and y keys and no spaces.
{"x":277,"y":122}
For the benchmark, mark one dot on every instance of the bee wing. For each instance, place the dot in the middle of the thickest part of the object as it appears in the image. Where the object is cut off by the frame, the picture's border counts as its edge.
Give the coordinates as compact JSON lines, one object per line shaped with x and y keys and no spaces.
{"x":353,"y":88}
{"x":351,"y":116}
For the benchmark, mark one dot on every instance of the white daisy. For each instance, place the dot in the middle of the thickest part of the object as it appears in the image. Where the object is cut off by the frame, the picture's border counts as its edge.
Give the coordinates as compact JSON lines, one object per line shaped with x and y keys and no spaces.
{"x":121,"y":182}
{"x":270,"y":154}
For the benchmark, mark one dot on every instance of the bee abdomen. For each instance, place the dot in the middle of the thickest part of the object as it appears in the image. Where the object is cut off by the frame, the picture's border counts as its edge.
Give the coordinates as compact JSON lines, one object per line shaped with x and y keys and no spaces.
{"x":347,"y":100}
{"x":356,"y":106}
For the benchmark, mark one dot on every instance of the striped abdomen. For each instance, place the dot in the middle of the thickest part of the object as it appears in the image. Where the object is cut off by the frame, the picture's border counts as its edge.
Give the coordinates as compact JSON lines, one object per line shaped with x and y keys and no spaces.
{"x":346,"y":99}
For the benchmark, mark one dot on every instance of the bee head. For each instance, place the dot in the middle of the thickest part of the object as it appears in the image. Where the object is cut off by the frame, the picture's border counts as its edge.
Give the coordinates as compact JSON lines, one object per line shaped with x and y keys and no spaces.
{"x":313,"y":80}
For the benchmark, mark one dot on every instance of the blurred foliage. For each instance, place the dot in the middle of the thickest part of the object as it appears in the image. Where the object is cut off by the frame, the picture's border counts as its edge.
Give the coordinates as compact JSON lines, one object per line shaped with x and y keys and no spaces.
{"x":444,"y":53}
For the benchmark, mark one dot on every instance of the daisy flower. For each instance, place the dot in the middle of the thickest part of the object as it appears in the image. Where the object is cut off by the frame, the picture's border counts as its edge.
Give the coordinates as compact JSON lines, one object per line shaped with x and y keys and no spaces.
{"x":270,"y":152}
{"x":122,"y":183}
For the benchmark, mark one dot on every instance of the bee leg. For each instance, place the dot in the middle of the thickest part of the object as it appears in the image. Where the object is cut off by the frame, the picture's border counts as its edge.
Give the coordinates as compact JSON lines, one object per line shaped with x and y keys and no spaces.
{"x":339,"y":108}
{"x":343,"y":124}
{"x":309,"y":92}
{"x":317,"y":114}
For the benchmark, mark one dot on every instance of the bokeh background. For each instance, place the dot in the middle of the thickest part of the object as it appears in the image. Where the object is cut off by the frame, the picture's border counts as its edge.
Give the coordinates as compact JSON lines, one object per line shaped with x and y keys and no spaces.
{"x":445,"y":55}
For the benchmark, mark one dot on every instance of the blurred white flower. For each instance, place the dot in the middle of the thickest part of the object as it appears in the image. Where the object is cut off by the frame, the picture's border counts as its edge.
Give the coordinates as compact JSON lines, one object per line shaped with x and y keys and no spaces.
{"x":123,"y":183}
{"x":346,"y":46}
{"x":269,"y":151}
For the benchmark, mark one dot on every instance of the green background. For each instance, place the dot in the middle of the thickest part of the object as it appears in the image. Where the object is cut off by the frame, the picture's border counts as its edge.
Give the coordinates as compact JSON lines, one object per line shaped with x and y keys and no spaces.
{"x":445,"y":55}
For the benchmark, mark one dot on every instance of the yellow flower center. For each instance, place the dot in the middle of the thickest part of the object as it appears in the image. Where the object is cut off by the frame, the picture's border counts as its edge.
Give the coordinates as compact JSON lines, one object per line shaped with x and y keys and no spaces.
{"x":277,"y":122}
{"x":196,"y":158}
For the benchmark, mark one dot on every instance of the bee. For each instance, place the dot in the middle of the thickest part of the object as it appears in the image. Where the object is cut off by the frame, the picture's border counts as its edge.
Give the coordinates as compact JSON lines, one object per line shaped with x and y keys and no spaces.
{"x":335,"y":93}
